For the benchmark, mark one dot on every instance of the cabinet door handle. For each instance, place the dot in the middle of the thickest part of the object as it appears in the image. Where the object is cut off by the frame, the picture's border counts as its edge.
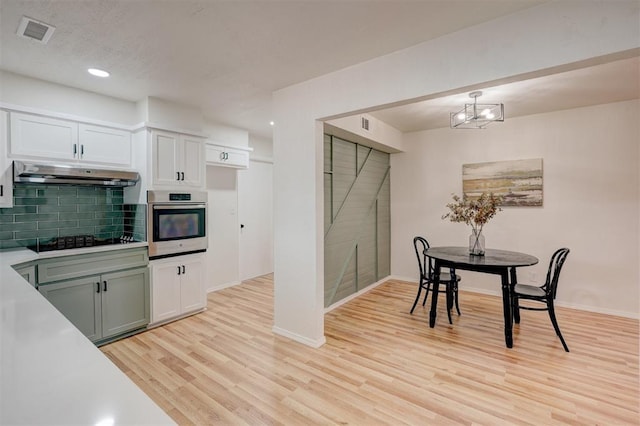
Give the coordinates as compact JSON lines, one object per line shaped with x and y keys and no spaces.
{"x":182,"y":175}
{"x":75,"y":150}
{"x":1,"y":190}
{"x":98,"y":287}
{"x":183,"y":269}
{"x":221,"y":156}
{"x":105,"y":285}
{"x":178,"y":175}
{"x":81,"y":150}
{"x":179,"y":273}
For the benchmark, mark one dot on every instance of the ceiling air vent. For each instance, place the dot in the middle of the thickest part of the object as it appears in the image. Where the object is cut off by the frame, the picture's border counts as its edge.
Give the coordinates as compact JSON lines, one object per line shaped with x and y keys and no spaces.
{"x":35,"y":30}
{"x":365,"y":123}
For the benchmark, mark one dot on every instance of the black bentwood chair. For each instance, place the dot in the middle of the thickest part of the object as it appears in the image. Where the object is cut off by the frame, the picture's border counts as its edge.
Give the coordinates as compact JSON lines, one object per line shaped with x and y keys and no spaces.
{"x":425,"y":265}
{"x":545,"y":294}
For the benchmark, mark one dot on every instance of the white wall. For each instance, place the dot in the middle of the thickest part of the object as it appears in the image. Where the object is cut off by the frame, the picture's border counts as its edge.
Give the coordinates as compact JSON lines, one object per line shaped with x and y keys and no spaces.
{"x":42,"y":95}
{"x":255,"y":210}
{"x":225,"y":135}
{"x":262,"y":148}
{"x":235,"y":197}
{"x":379,"y":135}
{"x":591,"y":202}
{"x":239,"y":197}
{"x":224,"y":244}
{"x":533,"y":42}
{"x":167,"y":114}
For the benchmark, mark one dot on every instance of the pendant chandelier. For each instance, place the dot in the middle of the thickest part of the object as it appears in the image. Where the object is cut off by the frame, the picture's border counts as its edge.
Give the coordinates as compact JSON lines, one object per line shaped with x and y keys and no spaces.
{"x":475,"y":115}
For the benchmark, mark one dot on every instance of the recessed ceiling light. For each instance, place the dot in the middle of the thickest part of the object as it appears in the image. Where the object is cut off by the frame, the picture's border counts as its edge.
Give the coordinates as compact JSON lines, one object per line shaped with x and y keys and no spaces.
{"x":272,"y":123}
{"x":97,"y":72}
{"x":109,"y":421}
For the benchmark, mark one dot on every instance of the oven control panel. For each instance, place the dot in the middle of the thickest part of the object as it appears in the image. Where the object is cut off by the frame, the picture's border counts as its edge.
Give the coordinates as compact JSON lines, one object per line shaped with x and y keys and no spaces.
{"x":179,"y":196}
{"x":154,"y":197}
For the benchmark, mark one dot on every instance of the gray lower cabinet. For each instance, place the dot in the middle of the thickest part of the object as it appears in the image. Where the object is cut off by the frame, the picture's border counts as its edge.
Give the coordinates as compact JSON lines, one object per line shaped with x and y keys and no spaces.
{"x":80,"y":301}
{"x":28,"y":272}
{"x":125,"y":301}
{"x":101,"y":305}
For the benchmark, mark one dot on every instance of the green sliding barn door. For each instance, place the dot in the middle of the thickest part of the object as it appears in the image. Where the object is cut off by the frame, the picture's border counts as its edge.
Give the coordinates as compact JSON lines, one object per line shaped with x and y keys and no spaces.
{"x":356,"y":218}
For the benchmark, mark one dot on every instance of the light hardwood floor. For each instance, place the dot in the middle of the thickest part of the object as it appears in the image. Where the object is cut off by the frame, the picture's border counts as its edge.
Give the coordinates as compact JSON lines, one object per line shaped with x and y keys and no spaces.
{"x":381,"y":365}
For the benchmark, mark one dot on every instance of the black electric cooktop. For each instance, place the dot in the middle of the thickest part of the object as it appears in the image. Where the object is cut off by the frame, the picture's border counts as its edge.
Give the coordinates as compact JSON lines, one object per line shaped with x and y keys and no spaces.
{"x":79,"y":241}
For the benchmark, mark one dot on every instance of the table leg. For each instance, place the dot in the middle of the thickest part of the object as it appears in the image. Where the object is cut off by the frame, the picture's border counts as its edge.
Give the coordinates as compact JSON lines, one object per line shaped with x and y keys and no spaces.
{"x":506,"y":303}
{"x":434,"y":294}
{"x":515,"y":311}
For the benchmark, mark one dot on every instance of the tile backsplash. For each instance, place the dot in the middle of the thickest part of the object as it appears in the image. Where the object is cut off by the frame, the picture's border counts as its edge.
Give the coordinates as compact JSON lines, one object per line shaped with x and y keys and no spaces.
{"x":43,"y":212}
{"x":135,"y":221}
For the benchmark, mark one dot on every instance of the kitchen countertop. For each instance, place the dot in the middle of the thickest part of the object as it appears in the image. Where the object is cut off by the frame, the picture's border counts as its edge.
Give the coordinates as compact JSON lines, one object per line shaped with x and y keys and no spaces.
{"x":50,"y":373}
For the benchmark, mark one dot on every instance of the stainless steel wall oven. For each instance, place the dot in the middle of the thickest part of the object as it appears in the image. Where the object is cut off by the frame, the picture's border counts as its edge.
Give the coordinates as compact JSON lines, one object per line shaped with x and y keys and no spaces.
{"x":176,"y":223}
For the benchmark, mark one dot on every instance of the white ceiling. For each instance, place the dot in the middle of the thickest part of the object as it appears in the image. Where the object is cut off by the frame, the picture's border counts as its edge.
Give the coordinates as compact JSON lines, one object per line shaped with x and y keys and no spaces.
{"x":227,"y":57}
{"x":614,"y":81}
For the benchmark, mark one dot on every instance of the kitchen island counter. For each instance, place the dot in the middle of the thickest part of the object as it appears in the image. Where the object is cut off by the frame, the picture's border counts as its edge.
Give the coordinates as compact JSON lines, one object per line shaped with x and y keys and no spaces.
{"x":50,"y":373}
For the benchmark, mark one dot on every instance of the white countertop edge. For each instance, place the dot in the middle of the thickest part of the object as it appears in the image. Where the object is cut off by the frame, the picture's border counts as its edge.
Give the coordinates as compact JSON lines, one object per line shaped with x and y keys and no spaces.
{"x":50,"y":373}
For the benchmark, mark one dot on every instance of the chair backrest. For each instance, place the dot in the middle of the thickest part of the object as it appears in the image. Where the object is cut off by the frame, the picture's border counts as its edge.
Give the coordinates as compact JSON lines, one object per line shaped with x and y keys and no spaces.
{"x":420,"y":244}
{"x":553,"y":274}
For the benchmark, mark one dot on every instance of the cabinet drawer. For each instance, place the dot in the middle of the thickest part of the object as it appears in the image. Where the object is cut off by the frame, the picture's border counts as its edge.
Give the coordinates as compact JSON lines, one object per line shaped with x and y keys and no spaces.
{"x":62,"y":268}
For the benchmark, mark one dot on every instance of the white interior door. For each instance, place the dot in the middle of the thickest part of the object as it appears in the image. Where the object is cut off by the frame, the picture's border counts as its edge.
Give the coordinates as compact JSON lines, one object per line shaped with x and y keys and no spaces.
{"x":255,"y":209}
{"x":223,"y":229}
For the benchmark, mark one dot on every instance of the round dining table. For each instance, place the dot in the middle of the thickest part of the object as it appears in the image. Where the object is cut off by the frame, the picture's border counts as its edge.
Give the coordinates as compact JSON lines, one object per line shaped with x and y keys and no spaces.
{"x":498,"y":262}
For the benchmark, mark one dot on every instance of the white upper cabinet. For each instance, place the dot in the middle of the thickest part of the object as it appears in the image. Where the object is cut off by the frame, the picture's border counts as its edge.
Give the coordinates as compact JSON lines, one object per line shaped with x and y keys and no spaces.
{"x":177,"y":160}
{"x":226,"y":156}
{"x":34,"y":136}
{"x":193,"y":161}
{"x":164,"y":159}
{"x":104,"y":145}
{"x":46,"y":138}
{"x":6,"y":175}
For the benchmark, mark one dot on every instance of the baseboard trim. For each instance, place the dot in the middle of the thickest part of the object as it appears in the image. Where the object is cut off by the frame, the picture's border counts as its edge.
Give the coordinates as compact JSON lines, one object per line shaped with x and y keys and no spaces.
{"x":223,"y":286}
{"x":179,"y":317}
{"x":298,"y":338}
{"x":561,"y":304}
{"x":355,"y":295}
{"x":412,"y":280}
{"x":598,"y":310}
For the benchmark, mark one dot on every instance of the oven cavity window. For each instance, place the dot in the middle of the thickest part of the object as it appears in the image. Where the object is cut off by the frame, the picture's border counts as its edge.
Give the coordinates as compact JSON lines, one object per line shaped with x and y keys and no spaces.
{"x":179,"y":224}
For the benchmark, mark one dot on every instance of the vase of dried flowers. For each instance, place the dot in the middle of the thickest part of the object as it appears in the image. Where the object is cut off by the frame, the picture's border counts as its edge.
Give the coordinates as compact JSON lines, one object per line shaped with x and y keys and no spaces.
{"x":476,"y":242}
{"x":475,"y":212}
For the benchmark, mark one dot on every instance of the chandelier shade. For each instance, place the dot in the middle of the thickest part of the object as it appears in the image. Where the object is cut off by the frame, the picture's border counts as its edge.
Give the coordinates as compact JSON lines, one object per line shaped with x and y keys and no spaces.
{"x":475,"y":115}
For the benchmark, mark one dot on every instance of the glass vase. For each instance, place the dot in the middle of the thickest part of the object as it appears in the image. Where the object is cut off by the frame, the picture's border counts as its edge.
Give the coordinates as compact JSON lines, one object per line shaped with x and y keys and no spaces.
{"x":476,"y":243}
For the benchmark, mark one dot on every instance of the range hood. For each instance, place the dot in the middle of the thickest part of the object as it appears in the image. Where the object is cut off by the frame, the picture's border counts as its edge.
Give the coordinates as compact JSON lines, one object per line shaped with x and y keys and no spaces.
{"x":55,"y":174}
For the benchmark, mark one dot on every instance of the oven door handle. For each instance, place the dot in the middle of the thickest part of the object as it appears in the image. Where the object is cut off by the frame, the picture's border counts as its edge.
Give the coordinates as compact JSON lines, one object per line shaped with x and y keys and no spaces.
{"x":181,"y":206}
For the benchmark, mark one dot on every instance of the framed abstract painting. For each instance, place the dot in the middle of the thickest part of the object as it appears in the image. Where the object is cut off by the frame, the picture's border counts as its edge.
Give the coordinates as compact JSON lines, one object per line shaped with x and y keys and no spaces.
{"x":519,"y":182}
